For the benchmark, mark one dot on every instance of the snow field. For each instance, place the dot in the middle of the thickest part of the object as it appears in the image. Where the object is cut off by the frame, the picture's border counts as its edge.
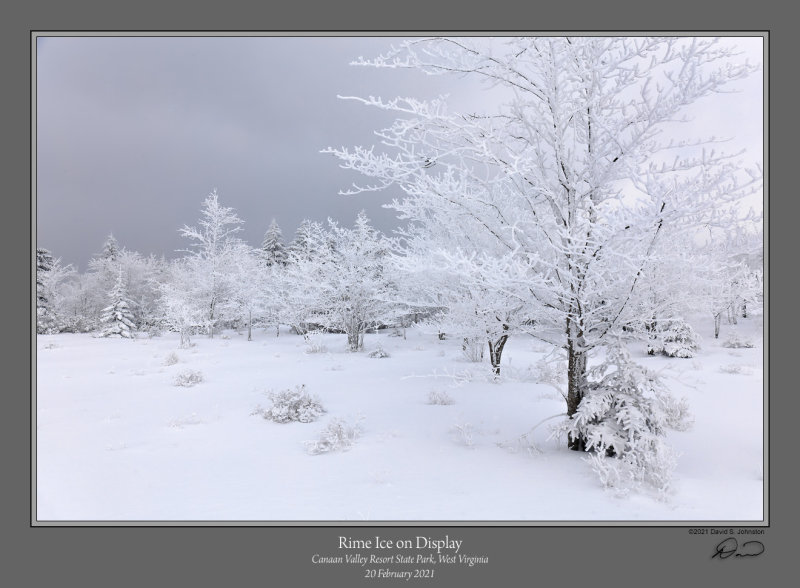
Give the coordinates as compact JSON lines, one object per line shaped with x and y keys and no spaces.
{"x":118,"y":440}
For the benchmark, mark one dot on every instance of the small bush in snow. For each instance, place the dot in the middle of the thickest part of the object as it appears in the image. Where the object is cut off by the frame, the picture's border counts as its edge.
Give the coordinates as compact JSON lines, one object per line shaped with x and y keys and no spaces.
{"x":623,"y":418}
{"x":624,"y":475}
{"x":735,"y":368}
{"x":192,"y":419}
{"x":473,"y":348}
{"x":152,"y":330}
{"x":736,"y":341}
{"x":171,"y":359}
{"x":522,"y":444}
{"x":378,"y":353}
{"x":188,"y":378}
{"x":440,"y":397}
{"x":673,"y":338}
{"x":314,"y":343}
{"x":339,"y":435}
{"x":464,"y":434}
{"x":293,"y":406}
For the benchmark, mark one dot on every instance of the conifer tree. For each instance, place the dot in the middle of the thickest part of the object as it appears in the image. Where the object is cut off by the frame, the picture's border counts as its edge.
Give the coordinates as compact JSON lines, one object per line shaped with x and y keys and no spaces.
{"x":110,"y":248}
{"x":117,"y":318}
{"x":272,"y":248}
{"x":45,"y":318}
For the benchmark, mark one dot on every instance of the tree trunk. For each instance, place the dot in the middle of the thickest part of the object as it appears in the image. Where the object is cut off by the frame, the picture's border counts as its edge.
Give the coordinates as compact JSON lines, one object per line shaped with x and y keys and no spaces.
{"x":354,"y":340}
{"x":744,"y":310}
{"x":249,"y":325}
{"x":576,"y":379}
{"x":496,"y":352}
{"x":185,"y":340}
{"x":717,"y":322}
{"x":576,"y":388}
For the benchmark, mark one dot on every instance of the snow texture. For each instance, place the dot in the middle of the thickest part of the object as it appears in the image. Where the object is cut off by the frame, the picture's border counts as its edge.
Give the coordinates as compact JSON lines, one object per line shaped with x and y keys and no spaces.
{"x":115,"y":440}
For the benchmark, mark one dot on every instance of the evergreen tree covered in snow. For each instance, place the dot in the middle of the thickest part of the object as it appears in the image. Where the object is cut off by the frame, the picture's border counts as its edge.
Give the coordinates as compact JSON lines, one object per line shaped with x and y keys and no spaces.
{"x":272,"y":248}
{"x":110,"y":248}
{"x":625,"y":415}
{"x":309,"y":239}
{"x":45,"y":313}
{"x":117,"y":318}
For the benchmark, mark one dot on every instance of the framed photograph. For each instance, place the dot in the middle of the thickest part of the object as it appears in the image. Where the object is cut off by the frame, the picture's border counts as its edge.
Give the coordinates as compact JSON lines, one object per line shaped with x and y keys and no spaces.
{"x":363,"y":305}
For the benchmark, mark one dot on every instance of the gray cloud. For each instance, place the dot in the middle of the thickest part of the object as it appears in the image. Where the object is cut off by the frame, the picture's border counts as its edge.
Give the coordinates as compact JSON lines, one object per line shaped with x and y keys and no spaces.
{"x":134,"y":132}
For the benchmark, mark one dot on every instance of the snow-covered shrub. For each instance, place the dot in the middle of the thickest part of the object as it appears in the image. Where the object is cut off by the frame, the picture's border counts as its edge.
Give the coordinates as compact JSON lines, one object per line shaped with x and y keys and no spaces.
{"x":378,"y":353}
{"x":677,"y":415}
{"x":673,"y":338}
{"x":293,"y":406}
{"x":624,"y":475}
{"x":440,"y":397}
{"x":171,"y":359}
{"x":153,"y":331}
{"x":473,"y":348}
{"x":339,"y":435}
{"x":737,"y":341}
{"x":188,"y":378}
{"x":623,"y":418}
{"x":314,"y":342}
{"x":522,"y":444}
{"x":464,"y":433}
{"x":735,"y":368}
{"x":192,"y":419}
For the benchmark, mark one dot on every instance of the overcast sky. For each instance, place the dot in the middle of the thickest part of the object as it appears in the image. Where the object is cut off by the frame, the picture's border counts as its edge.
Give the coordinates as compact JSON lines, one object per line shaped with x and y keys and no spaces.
{"x":134,"y":132}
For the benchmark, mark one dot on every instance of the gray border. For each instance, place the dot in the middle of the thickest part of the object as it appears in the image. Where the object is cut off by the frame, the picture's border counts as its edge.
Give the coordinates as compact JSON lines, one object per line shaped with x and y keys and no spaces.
{"x":135,"y":557}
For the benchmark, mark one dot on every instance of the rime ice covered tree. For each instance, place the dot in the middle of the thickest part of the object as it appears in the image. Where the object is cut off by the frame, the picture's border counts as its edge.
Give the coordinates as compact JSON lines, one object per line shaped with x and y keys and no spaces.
{"x":110,"y":248}
{"x":178,"y":308}
{"x":308,"y":239}
{"x":213,"y":246}
{"x":250,"y":288}
{"x":45,"y":313}
{"x":272,"y":248}
{"x":117,"y":318}
{"x":309,"y":245}
{"x":337,"y":279}
{"x":568,"y":184}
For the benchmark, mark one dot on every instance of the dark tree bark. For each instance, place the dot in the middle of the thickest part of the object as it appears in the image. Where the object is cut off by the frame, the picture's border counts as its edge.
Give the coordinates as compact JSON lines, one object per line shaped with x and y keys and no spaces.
{"x":496,"y":352}
{"x":576,"y":378}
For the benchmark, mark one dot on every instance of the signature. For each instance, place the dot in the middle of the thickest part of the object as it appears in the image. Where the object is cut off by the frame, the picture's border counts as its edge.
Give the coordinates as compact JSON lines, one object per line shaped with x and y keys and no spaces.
{"x":730,"y":548}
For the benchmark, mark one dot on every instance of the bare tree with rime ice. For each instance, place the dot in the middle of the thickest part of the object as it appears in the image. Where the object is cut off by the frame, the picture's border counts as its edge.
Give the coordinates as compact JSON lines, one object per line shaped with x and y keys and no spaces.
{"x":565,"y":189}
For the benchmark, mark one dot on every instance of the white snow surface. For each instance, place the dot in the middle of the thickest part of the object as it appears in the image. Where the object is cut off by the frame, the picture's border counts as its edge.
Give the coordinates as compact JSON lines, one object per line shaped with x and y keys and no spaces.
{"x":117,"y":440}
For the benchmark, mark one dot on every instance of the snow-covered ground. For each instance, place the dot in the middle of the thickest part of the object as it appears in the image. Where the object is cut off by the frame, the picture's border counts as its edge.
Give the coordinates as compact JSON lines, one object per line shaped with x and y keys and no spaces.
{"x":117,"y":440}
